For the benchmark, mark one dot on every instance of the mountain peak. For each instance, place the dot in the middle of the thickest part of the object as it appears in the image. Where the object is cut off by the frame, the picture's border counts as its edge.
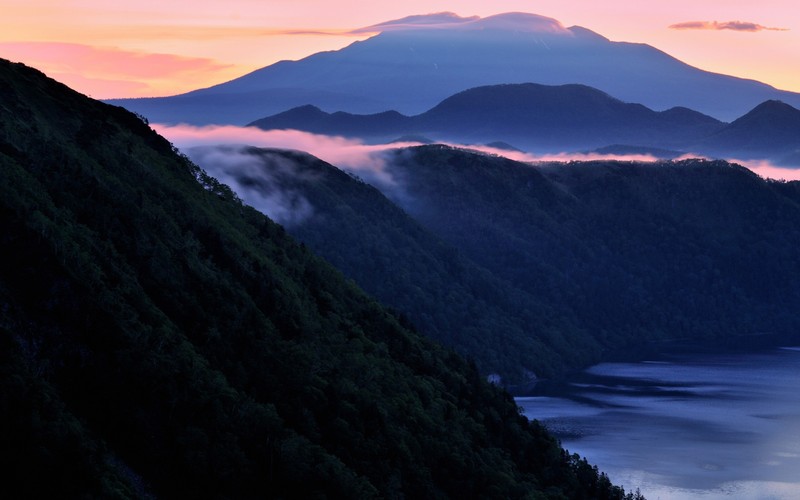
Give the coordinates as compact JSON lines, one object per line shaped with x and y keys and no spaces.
{"x":773,"y":106}
{"x":509,"y":21}
{"x":415,"y":62}
{"x":767,"y":130}
{"x":772,"y":113}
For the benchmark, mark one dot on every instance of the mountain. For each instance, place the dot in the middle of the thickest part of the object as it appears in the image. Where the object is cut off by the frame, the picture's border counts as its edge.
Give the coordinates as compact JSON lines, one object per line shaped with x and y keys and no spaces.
{"x":575,"y":262}
{"x":158,"y":338}
{"x":538,"y":118}
{"x":412,"y":65}
{"x":385,"y":125}
{"x":770,"y":130}
{"x":632,"y":253}
{"x":506,"y":331}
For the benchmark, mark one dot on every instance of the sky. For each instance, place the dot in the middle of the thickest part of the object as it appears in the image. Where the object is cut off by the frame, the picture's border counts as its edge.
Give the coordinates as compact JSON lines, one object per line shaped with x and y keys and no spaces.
{"x":109,"y":49}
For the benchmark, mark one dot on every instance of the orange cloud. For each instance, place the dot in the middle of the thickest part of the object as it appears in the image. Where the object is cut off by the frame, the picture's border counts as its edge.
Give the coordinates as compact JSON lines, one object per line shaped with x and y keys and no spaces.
{"x":199,"y":32}
{"x":98,"y":88}
{"x":107,"y":69}
{"x":729,"y":25}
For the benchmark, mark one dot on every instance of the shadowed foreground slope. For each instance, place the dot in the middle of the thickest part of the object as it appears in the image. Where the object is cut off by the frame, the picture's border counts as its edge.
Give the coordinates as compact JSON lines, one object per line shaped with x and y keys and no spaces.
{"x":158,"y":338}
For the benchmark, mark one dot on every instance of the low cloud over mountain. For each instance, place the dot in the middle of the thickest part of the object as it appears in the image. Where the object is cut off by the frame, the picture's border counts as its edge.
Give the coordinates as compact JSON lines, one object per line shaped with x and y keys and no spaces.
{"x":728,"y":25}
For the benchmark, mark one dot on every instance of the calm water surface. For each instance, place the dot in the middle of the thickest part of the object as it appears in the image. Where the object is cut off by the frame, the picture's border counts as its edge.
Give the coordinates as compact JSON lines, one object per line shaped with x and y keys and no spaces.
{"x":699,"y":426}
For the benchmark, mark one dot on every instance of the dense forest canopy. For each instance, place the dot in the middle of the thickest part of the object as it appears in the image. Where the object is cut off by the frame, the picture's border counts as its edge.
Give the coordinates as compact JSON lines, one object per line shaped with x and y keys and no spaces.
{"x":158,"y":338}
{"x":539,"y":269}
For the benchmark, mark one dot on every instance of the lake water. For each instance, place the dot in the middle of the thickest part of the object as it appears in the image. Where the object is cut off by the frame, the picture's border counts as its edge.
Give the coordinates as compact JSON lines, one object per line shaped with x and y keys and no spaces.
{"x":689,"y":426}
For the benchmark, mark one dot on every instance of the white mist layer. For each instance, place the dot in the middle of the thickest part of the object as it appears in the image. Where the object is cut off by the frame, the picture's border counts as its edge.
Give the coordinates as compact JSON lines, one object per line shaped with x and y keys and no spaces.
{"x":367,"y":160}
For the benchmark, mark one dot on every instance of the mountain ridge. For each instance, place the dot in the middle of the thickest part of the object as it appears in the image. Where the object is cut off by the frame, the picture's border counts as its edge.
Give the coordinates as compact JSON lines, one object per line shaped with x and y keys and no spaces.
{"x":771,"y":129}
{"x":160,"y":338}
{"x":382,"y":73}
{"x":539,"y":118}
{"x":544,"y":119}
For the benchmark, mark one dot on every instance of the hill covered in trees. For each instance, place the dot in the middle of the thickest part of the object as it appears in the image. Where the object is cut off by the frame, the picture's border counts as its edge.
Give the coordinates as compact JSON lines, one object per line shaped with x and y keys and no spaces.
{"x":160,"y":339}
{"x":634,"y":252}
{"x":507,"y":331}
{"x":541,"y":269}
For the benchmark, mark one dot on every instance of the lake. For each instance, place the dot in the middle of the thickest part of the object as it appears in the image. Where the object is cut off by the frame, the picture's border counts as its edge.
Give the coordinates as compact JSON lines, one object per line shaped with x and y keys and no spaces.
{"x":685,"y":426}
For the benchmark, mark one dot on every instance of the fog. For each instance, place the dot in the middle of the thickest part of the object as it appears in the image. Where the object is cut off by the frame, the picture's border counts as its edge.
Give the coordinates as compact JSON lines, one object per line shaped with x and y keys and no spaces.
{"x":368,"y":160}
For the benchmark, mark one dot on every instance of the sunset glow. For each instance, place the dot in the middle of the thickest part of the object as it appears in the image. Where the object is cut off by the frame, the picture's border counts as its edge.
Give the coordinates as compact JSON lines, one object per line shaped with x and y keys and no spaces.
{"x":154,"y":48}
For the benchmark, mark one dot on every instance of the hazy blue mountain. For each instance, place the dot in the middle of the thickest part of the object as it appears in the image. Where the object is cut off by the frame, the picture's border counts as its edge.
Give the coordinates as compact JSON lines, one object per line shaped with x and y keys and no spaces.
{"x":412,"y":65}
{"x":541,"y":118}
{"x":770,"y":130}
{"x":790,"y":160}
{"x":379,"y":126}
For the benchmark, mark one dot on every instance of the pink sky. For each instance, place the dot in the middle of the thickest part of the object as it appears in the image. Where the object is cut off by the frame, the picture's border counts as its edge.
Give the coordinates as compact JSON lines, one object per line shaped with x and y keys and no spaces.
{"x":147,"y":48}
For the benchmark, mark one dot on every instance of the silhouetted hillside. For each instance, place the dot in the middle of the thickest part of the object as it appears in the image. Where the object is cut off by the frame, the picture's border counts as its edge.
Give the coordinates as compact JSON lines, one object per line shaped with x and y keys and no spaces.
{"x":534,"y":117}
{"x":583,"y":259}
{"x":770,"y":130}
{"x":631,"y":252}
{"x":160,"y":339}
{"x":371,"y":240}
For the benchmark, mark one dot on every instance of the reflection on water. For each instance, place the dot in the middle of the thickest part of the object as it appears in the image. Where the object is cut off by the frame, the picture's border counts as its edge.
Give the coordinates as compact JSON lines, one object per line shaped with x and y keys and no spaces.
{"x":709,"y":427}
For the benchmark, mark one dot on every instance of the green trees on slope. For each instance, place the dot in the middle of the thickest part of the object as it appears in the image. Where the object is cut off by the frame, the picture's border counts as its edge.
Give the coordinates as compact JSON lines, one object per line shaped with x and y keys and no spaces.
{"x":160,"y":338}
{"x":632,"y":252}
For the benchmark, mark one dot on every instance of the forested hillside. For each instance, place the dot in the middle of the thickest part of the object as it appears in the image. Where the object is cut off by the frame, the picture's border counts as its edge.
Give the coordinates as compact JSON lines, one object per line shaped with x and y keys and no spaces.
{"x":535,"y":270}
{"x":506,"y":330}
{"x":634,"y":252}
{"x":160,"y":339}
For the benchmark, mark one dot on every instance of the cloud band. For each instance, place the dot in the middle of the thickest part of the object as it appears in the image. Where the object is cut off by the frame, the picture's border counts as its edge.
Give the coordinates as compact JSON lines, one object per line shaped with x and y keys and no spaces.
{"x":728,"y":25}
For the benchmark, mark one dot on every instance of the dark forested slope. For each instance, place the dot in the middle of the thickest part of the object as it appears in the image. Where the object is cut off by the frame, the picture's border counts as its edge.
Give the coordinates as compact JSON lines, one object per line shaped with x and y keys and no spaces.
{"x":158,"y":338}
{"x":633,"y":252}
{"x":447,"y":296}
{"x":542,"y":269}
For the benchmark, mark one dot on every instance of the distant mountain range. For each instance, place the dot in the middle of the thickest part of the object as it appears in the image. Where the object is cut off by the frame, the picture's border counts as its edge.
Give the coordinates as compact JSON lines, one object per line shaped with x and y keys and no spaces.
{"x":565,"y":118}
{"x":533,"y":117}
{"x":416,"y":62}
